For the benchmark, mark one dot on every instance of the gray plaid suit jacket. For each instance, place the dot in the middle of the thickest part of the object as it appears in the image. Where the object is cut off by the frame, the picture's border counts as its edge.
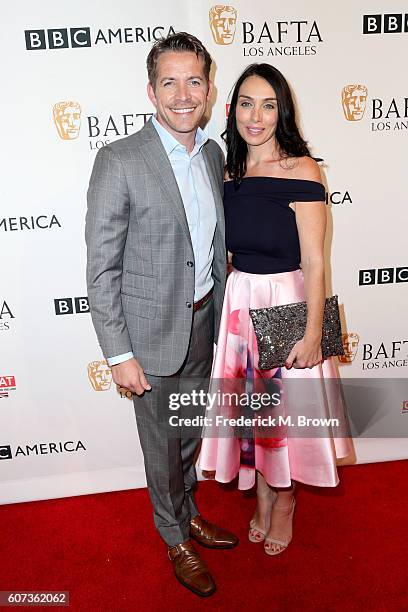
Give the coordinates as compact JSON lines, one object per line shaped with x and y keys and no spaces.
{"x":140,"y":284}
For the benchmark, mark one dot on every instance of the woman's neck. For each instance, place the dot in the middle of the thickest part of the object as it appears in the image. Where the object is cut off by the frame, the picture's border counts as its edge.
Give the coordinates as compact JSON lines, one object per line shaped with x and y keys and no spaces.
{"x":263,"y":154}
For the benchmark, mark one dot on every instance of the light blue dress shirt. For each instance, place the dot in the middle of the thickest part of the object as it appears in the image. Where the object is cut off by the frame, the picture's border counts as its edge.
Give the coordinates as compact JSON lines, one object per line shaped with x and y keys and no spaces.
{"x":195,"y":189}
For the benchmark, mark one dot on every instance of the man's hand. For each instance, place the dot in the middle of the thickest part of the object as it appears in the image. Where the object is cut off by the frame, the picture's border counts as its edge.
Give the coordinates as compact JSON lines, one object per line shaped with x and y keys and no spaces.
{"x":129,"y":374}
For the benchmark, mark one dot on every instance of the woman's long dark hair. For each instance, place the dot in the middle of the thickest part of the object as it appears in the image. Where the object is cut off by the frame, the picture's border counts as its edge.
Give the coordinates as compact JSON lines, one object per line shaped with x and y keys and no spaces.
{"x":287,"y":133}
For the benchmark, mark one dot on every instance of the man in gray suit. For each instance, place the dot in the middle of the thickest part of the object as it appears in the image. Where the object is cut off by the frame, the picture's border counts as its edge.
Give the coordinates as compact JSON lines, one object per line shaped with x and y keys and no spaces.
{"x":156,"y":276}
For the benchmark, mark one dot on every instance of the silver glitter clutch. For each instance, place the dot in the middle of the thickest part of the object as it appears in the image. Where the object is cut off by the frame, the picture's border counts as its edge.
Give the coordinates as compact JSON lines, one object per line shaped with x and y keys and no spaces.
{"x":278,"y":328}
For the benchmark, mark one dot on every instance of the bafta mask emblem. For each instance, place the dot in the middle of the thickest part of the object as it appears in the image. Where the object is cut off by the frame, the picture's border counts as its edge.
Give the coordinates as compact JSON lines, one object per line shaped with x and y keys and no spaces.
{"x":67,"y":119}
{"x":350,"y":345}
{"x":100,"y":375}
{"x":223,"y":22}
{"x":353,"y":99}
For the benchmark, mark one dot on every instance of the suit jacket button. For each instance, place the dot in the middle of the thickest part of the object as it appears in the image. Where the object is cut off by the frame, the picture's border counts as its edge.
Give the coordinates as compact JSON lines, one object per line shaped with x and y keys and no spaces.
{"x":190,"y":264}
{"x":188,"y":304}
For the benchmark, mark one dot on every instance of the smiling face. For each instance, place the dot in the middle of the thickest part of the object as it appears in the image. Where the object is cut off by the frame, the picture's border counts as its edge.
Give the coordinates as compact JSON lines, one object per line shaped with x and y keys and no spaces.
{"x":180,"y":93}
{"x":257,"y":111}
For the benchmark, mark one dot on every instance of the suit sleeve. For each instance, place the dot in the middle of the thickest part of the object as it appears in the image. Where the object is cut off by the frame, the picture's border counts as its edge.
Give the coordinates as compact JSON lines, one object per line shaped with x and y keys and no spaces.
{"x":106,"y":230}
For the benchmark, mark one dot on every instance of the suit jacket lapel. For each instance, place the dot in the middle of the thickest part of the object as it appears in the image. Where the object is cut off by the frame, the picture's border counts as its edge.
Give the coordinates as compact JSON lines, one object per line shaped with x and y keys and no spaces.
{"x":155,"y":156}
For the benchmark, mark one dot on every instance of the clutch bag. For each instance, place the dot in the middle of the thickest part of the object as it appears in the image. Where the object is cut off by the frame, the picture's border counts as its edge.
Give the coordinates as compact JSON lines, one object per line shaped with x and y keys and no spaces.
{"x":278,"y":328}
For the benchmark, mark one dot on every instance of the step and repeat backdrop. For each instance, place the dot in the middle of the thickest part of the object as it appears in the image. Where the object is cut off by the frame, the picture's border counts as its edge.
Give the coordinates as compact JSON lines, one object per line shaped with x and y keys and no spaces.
{"x":75,"y":80}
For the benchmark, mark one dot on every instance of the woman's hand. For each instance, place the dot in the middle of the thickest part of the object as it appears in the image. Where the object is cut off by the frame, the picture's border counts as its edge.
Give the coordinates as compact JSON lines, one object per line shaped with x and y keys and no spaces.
{"x":305,"y":354}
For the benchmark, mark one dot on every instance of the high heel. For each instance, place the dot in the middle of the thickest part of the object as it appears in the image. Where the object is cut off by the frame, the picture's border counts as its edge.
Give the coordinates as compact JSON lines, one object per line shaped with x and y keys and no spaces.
{"x":255,"y":533}
{"x":283,"y":544}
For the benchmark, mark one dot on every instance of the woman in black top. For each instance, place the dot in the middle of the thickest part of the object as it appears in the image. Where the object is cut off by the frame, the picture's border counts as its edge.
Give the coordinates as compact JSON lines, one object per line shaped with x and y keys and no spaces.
{"x":275,"y":226}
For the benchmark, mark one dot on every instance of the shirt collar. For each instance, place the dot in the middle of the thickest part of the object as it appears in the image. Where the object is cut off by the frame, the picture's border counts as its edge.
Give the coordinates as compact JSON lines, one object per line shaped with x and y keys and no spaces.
{"x":170,"y":143}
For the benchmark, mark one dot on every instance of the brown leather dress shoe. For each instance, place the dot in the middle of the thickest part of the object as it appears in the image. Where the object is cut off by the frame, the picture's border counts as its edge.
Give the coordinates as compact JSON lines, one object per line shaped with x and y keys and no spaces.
{"x":208,"y":534}
{"x":190,"y":569}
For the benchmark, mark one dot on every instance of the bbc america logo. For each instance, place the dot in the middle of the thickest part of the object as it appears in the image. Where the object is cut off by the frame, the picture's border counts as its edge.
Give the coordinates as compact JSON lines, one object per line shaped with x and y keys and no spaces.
{"x":41,"y":448}
{"x":76,"y":305}
{"x":5,"y":452}
{"x":57,"y":38}
{"x":391,"y":23}
{"x":76,"y":38}
{"x":383,"y":276}
{"x":14,"y":224}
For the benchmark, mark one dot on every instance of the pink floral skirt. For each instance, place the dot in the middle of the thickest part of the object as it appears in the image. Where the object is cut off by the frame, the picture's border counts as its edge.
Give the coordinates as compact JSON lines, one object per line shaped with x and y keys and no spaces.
{"x":315,"y":392}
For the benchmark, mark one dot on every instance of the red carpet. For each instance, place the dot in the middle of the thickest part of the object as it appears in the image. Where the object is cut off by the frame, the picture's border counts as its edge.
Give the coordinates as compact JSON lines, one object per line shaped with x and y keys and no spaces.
{"x":349,"y":550}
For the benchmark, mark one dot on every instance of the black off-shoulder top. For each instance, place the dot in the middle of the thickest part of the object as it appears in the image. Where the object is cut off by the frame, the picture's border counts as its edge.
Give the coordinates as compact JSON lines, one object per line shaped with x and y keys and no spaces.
{"x":260,"y":226}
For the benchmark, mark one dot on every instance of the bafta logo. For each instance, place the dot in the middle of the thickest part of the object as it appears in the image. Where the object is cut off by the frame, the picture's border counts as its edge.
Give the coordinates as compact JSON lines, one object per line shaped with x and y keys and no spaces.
{"x":223,"y":22}
{"x":100,"y":375}
{"x":350,"y":345}
{"x":67,"y":119}
{"x":353,"y":99}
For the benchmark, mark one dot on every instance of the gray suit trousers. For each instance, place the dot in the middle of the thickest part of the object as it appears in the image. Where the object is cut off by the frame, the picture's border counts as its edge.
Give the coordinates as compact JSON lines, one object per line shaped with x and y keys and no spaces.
{"x":170,"y":460}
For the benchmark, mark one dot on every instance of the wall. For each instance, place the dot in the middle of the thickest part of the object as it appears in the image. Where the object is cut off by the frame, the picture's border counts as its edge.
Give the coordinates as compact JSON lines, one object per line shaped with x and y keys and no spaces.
{"x":75,"y":80}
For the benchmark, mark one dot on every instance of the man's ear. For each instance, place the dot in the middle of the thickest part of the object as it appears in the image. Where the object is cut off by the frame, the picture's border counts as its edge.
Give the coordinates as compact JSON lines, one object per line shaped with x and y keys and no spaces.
{"x":150,"y":93}
{"x":210,"y":90}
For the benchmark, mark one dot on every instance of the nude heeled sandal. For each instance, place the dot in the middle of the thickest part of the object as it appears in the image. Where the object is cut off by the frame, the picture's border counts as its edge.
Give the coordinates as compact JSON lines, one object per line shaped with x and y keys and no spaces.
{"x":255,"y":533}
{"x":282,"y":543}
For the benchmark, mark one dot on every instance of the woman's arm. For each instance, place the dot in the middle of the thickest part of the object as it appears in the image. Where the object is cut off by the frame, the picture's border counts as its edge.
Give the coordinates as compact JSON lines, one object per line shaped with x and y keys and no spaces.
{"x":311,"y":224}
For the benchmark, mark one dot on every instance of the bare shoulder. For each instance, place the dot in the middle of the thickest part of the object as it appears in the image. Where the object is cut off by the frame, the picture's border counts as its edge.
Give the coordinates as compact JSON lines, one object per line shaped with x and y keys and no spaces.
{"x":307,"y":169}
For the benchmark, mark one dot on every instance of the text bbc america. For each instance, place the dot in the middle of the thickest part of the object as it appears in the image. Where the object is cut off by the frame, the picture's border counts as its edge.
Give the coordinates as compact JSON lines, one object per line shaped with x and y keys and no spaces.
{"x":77,"y":38}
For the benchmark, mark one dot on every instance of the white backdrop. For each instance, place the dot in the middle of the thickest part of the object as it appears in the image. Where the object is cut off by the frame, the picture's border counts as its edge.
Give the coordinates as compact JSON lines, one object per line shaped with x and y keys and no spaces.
{"x":64,"y":427}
